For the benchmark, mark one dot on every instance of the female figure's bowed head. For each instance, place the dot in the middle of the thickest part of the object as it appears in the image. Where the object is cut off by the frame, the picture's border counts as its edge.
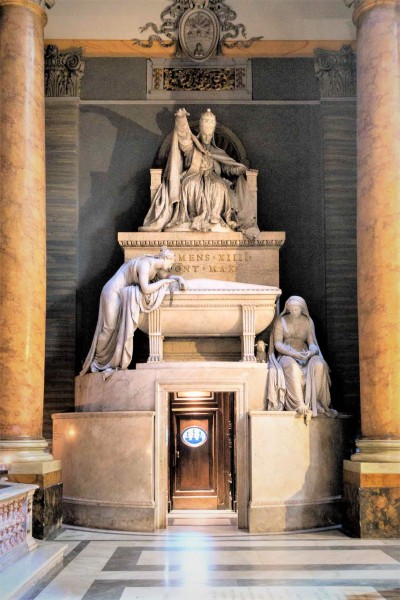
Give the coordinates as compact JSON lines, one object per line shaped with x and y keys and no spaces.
{"x":298,"y":377}
{"x":139,"y":285}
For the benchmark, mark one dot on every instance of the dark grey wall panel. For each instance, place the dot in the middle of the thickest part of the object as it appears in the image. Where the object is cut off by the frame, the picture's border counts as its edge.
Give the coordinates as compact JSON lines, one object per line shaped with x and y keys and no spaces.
{"x":340,"y":183}
{"x":62,"y":116}
{"x":114,"y":79}
{"x":118,"y":144}
{"x":284,"y":79}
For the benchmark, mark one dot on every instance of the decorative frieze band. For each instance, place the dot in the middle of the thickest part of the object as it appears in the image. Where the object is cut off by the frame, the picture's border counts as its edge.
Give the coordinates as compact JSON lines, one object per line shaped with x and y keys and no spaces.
{"x":203,"y":243}
{"x":63,"y":72}
{"x":219,"y":79}
{"x":336,"y":72}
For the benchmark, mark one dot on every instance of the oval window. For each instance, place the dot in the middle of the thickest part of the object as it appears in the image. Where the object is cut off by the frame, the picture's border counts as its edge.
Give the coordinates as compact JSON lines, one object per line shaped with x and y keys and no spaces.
{"x":194,"y":436}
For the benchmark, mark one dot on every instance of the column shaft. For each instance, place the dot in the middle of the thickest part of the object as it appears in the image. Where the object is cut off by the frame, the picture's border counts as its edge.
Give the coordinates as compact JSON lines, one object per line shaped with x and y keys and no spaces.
{"x":22,"y":221}
{"x":378,"y":83}
{"x":372,"y":477}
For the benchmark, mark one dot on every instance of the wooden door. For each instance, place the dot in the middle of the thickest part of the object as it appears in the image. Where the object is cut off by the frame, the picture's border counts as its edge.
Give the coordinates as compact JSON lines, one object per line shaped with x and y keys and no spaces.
{"x":202,"y":453}
{"x":194,"y":480}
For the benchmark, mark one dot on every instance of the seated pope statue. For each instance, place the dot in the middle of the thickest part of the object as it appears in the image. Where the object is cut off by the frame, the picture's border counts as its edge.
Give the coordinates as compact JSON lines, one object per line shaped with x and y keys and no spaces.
{"x":298,"y":376}
{"x":202,"y":187}
{"x":139,"y":285}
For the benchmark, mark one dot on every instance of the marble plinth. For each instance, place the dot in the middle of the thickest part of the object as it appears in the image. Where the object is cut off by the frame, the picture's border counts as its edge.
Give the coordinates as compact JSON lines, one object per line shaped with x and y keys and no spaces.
{"x":296,"y":471}
{"x":372,"y":499}
{"x":134,"y":390}
{"x":115,"y":451}
{"x":108,"y":468}
{"x":47,"y":499}
{"x":228,"y":256}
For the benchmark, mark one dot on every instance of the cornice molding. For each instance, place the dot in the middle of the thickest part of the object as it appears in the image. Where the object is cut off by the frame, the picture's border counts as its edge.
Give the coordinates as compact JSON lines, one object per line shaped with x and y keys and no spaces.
{"x":261,"y":49}
{"x":200,"y":243}
{"x":362,"y":7}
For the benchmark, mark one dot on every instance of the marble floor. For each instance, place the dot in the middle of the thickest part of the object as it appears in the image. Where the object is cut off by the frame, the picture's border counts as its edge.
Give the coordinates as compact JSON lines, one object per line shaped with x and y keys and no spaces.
{"x":203,"y":556}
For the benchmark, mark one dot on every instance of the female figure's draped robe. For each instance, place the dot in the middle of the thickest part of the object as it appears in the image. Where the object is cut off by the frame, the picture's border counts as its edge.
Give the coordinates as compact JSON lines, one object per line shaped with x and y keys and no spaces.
{"x":294,"y":384}
{"x":121,"y":302}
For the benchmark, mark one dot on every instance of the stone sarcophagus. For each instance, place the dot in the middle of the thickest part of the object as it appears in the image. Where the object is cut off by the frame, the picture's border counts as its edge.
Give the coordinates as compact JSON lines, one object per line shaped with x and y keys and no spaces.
{"x":211,"y":308}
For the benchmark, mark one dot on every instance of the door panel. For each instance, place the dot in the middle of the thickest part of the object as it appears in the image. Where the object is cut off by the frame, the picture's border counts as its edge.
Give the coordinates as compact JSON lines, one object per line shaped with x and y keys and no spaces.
{"x":195,"y":459}
{"x":193,"y":479}
{"x":202,"y":452}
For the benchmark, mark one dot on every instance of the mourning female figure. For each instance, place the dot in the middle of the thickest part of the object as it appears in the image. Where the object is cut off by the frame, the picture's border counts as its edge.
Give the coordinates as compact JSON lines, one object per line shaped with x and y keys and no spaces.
{"x":298,"y":377}
{"x":138,"y":286}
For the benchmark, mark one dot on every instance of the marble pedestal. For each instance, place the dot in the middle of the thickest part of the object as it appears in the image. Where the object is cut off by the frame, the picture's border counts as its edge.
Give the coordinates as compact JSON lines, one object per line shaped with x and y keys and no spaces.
{"x":296,"y":471}
{"x":372,"y":499}
{"x":114,"y":450}
{"x":115,"y":453}
{"x":227,"y":256}
{"x":47,"y":499}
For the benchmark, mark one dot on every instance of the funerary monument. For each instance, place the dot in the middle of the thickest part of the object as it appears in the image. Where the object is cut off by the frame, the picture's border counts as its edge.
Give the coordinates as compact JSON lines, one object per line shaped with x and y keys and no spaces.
{"x":202,"y":282}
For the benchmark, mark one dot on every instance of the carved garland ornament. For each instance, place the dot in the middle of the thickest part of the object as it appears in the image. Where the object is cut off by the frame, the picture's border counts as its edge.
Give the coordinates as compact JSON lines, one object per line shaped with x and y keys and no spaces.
{"x":63,"y":72}
{"x":198,"y":29}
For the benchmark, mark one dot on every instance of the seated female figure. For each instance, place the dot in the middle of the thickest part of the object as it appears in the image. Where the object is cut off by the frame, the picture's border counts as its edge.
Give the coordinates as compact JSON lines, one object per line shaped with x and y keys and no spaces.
{"x":298,"y":376}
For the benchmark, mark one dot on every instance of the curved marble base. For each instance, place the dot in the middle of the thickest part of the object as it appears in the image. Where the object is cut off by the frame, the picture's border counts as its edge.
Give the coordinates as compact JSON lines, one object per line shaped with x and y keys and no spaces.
{"x":296,"y":471}
{"x":115,"y":455}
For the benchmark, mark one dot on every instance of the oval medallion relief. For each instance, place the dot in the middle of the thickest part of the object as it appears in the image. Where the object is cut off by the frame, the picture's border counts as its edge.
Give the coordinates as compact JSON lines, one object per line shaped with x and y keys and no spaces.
{"x":194,"y":436}
{"x":199,"y":33}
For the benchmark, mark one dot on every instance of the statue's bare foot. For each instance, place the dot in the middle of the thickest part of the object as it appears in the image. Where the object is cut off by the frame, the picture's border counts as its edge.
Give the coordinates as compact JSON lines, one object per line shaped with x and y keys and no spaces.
{"x":331,"y":412}
{"x":307,"y":417}
{"x":305,"y":412}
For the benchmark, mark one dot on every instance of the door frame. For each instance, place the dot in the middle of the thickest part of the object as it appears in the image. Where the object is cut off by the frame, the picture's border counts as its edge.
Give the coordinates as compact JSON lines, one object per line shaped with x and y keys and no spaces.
{"x":161,"y":454}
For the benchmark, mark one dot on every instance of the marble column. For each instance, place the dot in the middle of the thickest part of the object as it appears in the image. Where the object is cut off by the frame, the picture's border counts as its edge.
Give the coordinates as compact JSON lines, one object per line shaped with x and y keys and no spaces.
{"x":23,"y":230}
{"x":372,"y":477}
{"x":23,"y":246}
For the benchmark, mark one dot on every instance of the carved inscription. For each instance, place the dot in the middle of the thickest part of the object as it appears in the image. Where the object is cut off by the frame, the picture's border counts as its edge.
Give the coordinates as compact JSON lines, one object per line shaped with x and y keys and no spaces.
{"x":205,"y":264}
